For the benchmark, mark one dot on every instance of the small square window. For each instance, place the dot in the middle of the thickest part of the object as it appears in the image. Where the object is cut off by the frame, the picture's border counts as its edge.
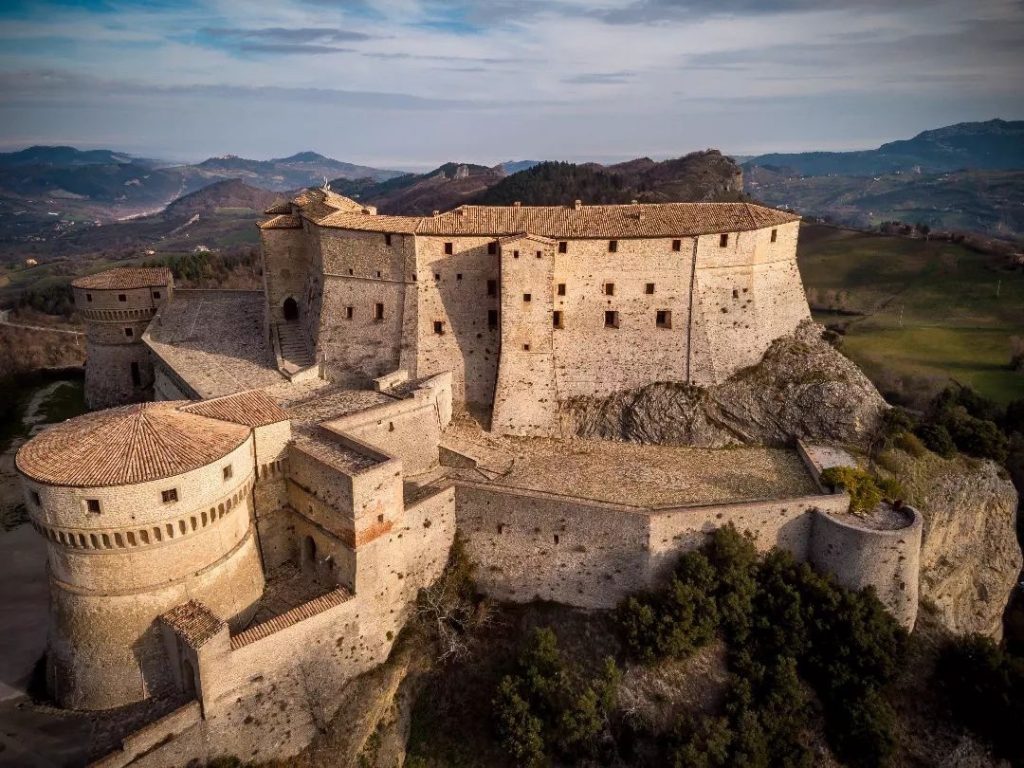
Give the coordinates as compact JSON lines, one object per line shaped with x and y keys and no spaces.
{"x":35,"y":499}
{"x":448,"y":248}
{"x":492,"y":318}
{"x":351,"y":272}
{"x":387,"y":238}
{"x":527,"y":297}
{"x":735,"y":293}
{"x":458,"y":275}
{"x":93,"y":505}
{"x":492,"y":287}
{"x":563,"y":246}
{"x":437,"y":276}
{"x":540,"y":254}
{"x":613,"y":246}
{"x":526,"y":347}
{"x":556,"y":319}
{"x":122,"y":297}
{"x":228,"y":472}
{"x":609,"y":289}
{"x":561,"y":289}
{"x":775,"y":235}
{"x":649,"y":288}
{"x":677,"y":245}
{"x":88,"y":297}
{"x":492,"y":248}
{"x":129,"y":332}
{"x":378,"y":274}
{"x":438,"y":327}
{"x":723,"y":240}
{"x":169,"y":496}
{"x":349,"y":312}
{"x":663,"y":318}
{"x":156,"y":294}
{"x":611,"y":319}
{"x":515,"y":254}
{"x":378,"y":311}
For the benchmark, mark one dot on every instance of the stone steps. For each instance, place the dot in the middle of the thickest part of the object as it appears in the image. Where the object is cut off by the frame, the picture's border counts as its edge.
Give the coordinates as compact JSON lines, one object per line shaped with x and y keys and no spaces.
{"x":294,"y":350}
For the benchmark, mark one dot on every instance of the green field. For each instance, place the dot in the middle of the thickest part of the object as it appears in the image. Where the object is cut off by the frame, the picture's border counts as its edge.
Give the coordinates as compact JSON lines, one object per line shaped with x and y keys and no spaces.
{"x":926,"y":312}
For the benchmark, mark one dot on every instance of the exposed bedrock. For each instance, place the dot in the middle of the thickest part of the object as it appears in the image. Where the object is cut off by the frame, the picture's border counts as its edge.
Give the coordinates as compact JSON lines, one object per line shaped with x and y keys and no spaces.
{"x":802,"y":388}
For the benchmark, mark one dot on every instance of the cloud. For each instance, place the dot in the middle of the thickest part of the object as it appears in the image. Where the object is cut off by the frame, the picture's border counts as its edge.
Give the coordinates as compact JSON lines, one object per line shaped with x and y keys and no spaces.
{"x":600,"y":78}
{"x":296,"y":36}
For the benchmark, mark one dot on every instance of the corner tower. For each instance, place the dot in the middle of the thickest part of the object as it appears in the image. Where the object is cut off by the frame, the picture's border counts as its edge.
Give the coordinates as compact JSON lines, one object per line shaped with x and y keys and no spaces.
{"x":142,"y":507}
{"x":117,"y":305}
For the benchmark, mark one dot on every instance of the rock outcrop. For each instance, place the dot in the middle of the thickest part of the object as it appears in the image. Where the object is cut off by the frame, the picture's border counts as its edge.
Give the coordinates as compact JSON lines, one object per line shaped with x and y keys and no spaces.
{"x":802,"y":388}
{"x":970,"y":559}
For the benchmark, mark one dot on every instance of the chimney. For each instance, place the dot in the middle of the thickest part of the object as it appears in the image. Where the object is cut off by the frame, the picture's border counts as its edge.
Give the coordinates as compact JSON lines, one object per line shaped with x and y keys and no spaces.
{"x":577,"y":205}
{"x":517,"y":204}
{"x":436,"y":213}
{"x":632,"y":202}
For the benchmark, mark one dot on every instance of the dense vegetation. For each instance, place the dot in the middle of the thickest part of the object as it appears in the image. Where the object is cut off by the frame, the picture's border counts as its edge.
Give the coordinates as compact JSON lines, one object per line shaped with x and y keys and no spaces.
{"x":796,"y":642}
{"x":556,"y":183}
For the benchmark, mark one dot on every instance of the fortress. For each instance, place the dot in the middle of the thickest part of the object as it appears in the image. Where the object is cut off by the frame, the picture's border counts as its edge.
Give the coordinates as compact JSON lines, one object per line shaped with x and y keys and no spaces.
{"x":282,"y":471}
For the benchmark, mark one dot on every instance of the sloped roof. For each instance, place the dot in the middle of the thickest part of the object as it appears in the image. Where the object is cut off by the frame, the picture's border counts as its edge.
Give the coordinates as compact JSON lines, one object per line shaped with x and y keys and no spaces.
{"x":253,"y":408}
{"x":193,"y":622}
{"x":282,"y":221}
{"x":131,"y":444}
{"x":125,"y":278}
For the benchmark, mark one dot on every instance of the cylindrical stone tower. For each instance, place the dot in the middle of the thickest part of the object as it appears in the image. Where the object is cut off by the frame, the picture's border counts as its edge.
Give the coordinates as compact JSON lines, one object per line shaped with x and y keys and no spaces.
{"x":117,"y":305}
{"x":143,"y":508}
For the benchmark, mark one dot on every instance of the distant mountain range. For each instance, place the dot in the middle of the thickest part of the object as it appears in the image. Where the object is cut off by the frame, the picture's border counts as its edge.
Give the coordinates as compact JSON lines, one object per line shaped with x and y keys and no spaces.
{"x":996,"y":145}
{"x":968,"y":176}
{"x":698,"y":176}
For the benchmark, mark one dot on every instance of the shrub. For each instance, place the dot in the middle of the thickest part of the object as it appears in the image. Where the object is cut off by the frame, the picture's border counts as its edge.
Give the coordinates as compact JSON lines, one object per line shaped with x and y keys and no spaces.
{"x":896,"y":421}
{"x":909,"y":443}
{"x":864,"y":491}
{"x":937,"y":439}
{"x":976,"y":437}
{"x":520,"y":730}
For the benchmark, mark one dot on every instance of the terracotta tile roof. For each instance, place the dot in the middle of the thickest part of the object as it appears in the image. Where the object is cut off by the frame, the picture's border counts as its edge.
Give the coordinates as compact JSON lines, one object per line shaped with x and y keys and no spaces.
{"x":307,"y":610}
{"x":253,"y":408}
{"x":279,"y":207}
{"x":193,"y":622}
{"x":598,"y":221}
{"x":127,"y":445}
{"x":283,"y":221}
{"x":125,"y":278}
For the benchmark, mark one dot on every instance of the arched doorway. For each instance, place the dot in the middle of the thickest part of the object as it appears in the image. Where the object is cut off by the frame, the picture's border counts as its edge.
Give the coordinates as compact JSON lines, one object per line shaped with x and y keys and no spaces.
{"x":309,"y":554}
{"x":291,"y":309}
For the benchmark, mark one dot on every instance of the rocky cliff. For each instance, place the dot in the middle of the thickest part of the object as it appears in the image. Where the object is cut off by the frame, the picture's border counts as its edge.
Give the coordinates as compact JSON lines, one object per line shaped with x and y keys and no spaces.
{"x":802,"y":388}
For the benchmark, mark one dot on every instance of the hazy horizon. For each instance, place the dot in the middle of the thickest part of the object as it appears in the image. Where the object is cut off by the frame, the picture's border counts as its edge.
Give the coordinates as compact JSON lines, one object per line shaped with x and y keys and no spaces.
{"x":410,"y":84}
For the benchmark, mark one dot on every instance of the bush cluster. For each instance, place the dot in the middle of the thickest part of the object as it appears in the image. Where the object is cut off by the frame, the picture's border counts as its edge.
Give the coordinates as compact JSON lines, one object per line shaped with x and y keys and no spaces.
{"x":547,"y":706}
{"x":783,"y":623}
{"x":865,"y":491}
{"x":984,"y":687}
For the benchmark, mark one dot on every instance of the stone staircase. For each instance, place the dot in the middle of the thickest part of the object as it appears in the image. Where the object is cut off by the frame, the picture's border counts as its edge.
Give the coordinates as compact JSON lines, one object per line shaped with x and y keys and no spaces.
{"x":295,"y":353}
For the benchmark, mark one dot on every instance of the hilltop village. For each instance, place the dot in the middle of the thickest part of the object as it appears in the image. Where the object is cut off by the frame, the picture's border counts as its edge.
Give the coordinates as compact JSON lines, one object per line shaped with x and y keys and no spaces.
{"x":268,"y":478}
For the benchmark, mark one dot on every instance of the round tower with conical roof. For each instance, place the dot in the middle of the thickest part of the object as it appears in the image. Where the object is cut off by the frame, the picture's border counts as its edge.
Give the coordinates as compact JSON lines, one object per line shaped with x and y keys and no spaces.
{"x":117,"y":305}
{"x":143,"y":508}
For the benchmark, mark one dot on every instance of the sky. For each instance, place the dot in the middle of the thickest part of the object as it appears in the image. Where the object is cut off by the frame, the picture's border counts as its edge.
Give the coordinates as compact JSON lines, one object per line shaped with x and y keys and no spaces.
{"x":413,"y":83}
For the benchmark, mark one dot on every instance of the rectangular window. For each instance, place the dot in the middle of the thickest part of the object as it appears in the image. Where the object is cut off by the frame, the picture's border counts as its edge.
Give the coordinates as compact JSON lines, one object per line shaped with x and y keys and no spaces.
{"x":775,"y":235}
{"x":649,"y":288}
{"x":515,"y":254}
{"x":92,"y":505}
{"x":88,"y":297}
{"x":611,"y":319}
{"x":458,"y":275}
{"x":349,"y":312}
{"x":492,"y":287}
{"x":561,"y":289}
{"x":36,"y":500}
{"x":438,"y":327}
{"x":378,"y":274}
{"x":526,"y":347}
{"x":351,"y":272}
{"x":156,"y":294}
{"x":723,"y":240}
{"x":448,"y":248}
{"x":677,"y":245}
{"x":663,"y":318}
{"x":492,"y":248}
{"x":129,"y":332}
{"x":539,"y":254}
{"x":122,"y":297}
{"x":437,"y":276}
{"x":492,"y":318}
{"x":613,"y":246}
{"x":378,"y":312}
{"x":609,"y":289}
{"x":556,"y":319}
{"x":228,"y":472}
{"x":387,"y":238}
{"x":563,"y":246}
{"x":527,"y":297}
{"x":170,"y":495}
{"x":136,"y":375}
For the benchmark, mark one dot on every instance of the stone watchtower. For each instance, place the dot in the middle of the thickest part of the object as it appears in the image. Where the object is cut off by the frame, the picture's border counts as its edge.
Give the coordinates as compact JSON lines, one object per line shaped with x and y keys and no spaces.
{"x":117,"y":305}
{"x":143,"y":508}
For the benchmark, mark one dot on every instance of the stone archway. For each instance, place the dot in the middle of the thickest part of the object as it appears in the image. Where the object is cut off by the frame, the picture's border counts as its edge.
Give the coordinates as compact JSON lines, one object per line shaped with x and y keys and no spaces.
{"x":291,"y":309}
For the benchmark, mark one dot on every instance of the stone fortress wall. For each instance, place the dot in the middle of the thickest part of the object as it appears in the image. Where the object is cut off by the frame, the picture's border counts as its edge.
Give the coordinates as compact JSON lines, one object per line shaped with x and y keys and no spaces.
{"x":118,"y":367}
